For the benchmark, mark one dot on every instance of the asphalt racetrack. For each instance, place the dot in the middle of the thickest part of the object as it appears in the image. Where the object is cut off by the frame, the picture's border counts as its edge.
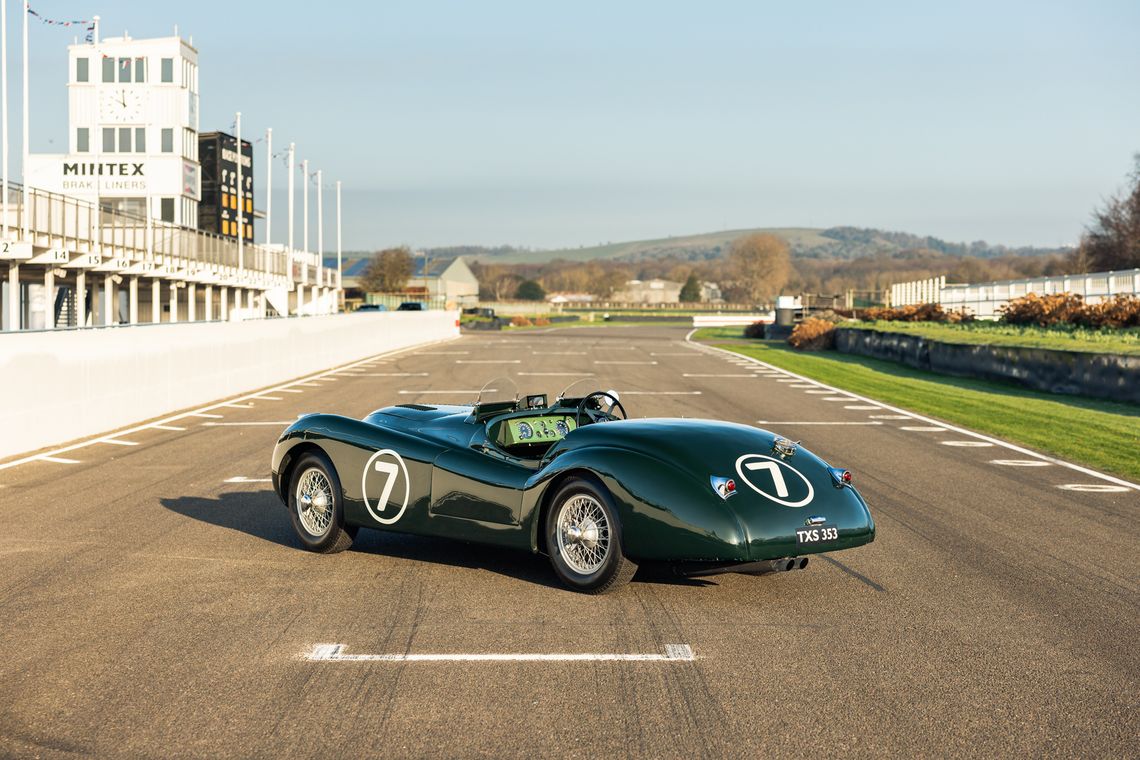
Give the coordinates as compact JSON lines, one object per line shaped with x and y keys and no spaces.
{"x":155,"y":603}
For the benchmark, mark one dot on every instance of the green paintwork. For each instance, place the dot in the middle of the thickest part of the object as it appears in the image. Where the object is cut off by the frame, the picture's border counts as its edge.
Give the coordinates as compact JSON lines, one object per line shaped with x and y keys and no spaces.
{"x":462,"y":484}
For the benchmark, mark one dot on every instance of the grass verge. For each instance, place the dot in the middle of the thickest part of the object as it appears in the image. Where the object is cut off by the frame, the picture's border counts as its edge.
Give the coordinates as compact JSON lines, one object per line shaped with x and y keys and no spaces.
{"x":1100,"y":434}
{"x":1059,"y":338}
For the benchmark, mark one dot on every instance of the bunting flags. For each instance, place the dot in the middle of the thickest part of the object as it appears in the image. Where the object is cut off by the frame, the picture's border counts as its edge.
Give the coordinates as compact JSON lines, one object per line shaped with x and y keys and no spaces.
{"x":87,"y":24}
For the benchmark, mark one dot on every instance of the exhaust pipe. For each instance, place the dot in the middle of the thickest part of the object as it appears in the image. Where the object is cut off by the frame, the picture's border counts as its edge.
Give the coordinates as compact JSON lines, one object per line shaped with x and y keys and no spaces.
{"x":762,"y":567}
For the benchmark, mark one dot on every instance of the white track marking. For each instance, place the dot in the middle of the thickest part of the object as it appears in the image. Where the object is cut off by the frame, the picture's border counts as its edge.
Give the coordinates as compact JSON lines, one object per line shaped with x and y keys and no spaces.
{"x":694,"y":374}
{"x":818,"y":391}
{"x":622,"y":362}
{"x":172,"y":428}
{"x":967,"y":444}
{"x":287,"y":387}
{"x":327,"y":379}
{"x":680,"y":353}
{"x":488,"y":361}
{"x":790,"y":380}
{"x":268,"y":398}
{"x":310,"y":385}
{"x":795,"y":422}
{"x":862,"y":407}
{"x":837,"y":398}
{"x":1043,"y":459}
{"x":278,"y":423}
{"x":659,"y":393}
{"x":397,"y":374}
{"x":437,"y":393}
{"x":57,"y":460}
{"x":922,"y":428}
{"x":1020,"y":462}
{"x":335,"y":653}
{"x":558,"y":353}
{"x":555,"y":374}
{"x":889,"y":416}
{"x":806,"y":385}
{"x":240,"y":479}
{"x":1093,"y":488}
{"x":117,"y":442}
{"x":441,"y":353}
{"x":238,"y":406}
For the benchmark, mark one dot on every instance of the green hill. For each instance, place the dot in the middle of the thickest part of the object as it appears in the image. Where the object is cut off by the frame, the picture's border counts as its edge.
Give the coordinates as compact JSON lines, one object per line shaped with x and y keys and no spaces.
{"x":831,"y":243}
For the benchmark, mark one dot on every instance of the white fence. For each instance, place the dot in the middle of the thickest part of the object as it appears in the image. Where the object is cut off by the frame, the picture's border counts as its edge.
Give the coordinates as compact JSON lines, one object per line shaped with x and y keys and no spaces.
{"x":57,"y":386}
{"x":984,"y":299}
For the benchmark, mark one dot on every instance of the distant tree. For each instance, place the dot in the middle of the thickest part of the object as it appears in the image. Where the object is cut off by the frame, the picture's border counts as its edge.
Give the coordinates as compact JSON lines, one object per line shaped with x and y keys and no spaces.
{"x":1112,"y":241}
{"x":760,"y":265}
{"x":691,"y":290}
{"x":529,"y":290}
{"x":388,"y":271}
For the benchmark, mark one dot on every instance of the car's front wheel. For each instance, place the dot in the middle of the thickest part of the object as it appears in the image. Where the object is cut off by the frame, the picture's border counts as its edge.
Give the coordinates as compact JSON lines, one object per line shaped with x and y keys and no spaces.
{"x":583,"y":537}
{"x":316,"y":507}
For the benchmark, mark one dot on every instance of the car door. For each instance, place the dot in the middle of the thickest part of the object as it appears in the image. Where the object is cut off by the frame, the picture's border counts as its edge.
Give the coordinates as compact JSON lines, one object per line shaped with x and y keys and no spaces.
{"x":481,"y":484}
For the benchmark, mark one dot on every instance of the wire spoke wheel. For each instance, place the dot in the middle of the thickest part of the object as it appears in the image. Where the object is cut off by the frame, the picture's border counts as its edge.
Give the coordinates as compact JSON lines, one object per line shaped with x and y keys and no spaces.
{"x":583,"y":534}
{"x":314,"y":496}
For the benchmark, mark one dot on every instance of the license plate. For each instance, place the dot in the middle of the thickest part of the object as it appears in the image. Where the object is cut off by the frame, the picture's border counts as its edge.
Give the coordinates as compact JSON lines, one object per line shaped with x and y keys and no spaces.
{"x":816,"y":534}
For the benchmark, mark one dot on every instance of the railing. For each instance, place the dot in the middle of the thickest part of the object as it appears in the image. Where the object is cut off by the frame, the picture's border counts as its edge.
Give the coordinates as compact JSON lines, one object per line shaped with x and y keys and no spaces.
{"x":984,"y":299}
{"x":67,"y":223}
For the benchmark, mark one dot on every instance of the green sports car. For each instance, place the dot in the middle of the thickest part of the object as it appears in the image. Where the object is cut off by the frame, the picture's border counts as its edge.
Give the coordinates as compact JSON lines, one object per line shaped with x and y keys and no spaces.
{"x":571,"y":478}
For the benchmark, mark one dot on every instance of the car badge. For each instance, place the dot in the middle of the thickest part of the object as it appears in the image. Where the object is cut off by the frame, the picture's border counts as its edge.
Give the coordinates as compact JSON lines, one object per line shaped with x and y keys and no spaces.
{"x":724,"y":487}
{"x":816,"y":520}
{"x":784,"y":447}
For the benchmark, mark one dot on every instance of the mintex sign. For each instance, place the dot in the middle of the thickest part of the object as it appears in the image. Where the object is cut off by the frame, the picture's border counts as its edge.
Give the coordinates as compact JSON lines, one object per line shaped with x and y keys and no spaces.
{"x":78,"y":175}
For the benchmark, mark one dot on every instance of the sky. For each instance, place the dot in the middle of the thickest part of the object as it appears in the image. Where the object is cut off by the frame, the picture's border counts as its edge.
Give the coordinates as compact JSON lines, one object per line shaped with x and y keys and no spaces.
{"x":549,"y":125}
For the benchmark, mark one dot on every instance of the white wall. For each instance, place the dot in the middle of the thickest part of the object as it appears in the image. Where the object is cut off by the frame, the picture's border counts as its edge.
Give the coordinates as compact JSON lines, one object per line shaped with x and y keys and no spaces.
{"x":62,"y":385}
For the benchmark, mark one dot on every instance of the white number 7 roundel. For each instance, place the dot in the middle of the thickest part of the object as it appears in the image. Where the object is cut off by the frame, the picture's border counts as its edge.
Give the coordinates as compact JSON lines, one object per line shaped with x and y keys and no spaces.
{"x":775,"y":479}
{"x":382,"y":472}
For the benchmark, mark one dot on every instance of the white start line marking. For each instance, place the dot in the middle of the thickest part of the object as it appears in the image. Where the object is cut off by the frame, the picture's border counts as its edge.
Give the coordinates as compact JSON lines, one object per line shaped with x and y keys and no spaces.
{"x":57,"y":460}
{"x":488,"y":361}
{"x":922,"y":428}
{"x":117,"y":442}
{"x":795,"y":422}
{"x":275,"y":423}
{"x":335,"y":653}
{"x":555,"y":374}
{"x":862,"y":407}
{"x":968,"y":444}
{"x":622,"y":362}
{"x":268,"y":398}
{"x":240,"y":479}
{"x":397,"y":374}
{"x":171,"y":428}
{"x":1020,"y":462}
{"x":693,"y":374}
{"x":1093,"y":488}
{"x":889,"y":416}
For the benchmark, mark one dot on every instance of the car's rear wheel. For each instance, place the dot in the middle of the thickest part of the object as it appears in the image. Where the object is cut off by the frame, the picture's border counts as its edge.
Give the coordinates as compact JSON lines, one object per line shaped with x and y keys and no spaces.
{"x":583,"y":537}
{"x":316,"y":506}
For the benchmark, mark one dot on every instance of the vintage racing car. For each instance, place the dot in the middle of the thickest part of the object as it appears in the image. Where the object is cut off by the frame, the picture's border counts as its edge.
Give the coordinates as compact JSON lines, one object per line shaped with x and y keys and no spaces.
{"x":574,"y":479}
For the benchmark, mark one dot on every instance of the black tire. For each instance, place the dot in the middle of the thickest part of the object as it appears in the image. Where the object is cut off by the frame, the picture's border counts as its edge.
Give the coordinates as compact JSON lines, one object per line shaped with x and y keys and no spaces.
{"x":335,"y":535}
{"x":575,"y":558}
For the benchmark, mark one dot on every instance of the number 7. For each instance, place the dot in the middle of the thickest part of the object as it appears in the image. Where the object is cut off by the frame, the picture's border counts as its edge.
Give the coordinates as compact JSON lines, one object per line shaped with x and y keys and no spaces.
{"x":390,"y":470}
{"x":777,"y":476}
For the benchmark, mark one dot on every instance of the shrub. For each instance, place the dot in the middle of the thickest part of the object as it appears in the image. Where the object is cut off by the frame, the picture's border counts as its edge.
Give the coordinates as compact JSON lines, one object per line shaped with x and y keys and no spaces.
{"x":1117,"y":312}
{"x":813,"y":335}
{"x":541,"y":321}
{"x":922,"y":312}
{"x":754,"y":330}
{"x":1034,"y":309}
{"x":520,"y":321}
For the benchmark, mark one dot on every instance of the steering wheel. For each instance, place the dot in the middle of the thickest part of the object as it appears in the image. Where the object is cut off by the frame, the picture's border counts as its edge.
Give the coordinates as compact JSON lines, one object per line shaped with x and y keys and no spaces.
{"x":598,"y":413}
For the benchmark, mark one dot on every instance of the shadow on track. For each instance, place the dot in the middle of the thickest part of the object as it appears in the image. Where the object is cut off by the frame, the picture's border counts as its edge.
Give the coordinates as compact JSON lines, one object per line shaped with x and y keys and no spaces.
{"x":260,"y":514}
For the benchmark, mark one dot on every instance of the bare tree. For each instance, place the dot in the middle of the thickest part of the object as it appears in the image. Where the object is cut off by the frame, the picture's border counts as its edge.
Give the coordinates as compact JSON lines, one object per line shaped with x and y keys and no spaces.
{"x":388,"y":271}
{"x":759,"y":265}
{"x":1112,"y":241}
